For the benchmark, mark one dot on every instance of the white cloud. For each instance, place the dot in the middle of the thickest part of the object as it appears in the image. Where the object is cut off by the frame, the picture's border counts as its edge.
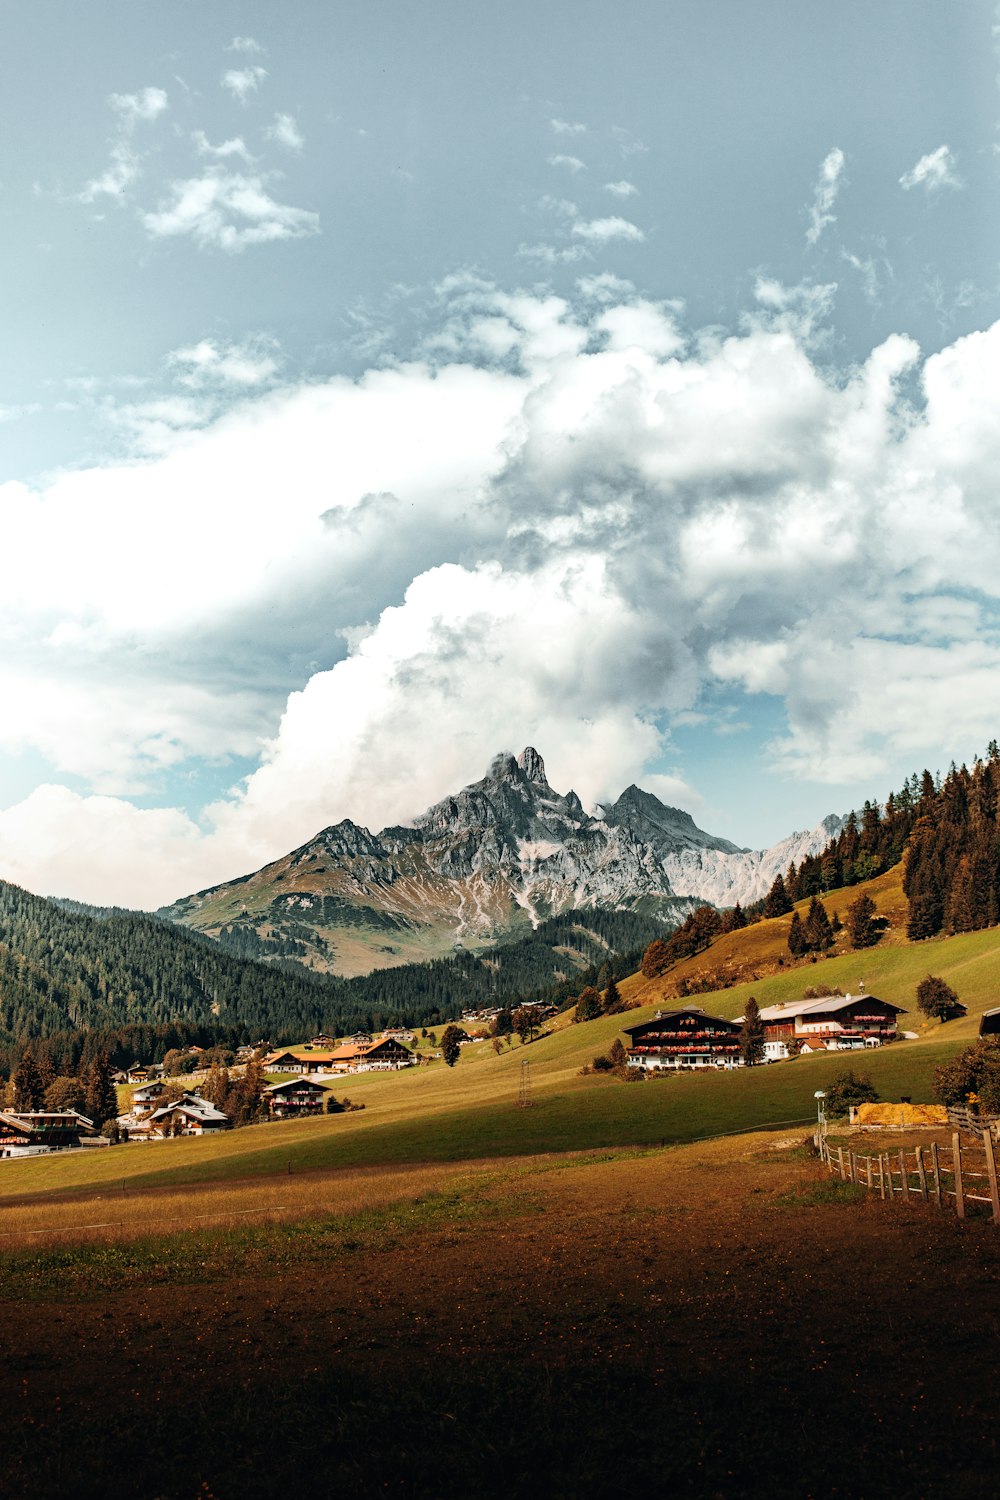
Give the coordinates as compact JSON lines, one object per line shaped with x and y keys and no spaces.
{"x":603,"y":231}
{"x":566,"y":547}
{"x":242,"y":82}
{"x":605,"y":286}
{"x":125,"y":162}
{"x":225,"y":150}
{"x":628,"y":144}
{"x":622,"y":188}
{"x":568,"y":127}
{"x":286,"y":133}
{"x":118,"y":176}
{"x":827,"y":187}
{"x":243,"y":365}
{"x":244,"y":44}
{"x":229,"y":211}
{"x":147,"y":105}
{"x":936,"y":170}
{"x":551,"y":255}
{"x":571,"y":163}
{"x":564,"y":207}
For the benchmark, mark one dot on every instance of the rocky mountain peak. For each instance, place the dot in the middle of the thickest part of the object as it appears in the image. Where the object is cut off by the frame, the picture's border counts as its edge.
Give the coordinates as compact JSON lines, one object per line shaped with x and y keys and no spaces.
{"x":504,"y":767}
{"x":533,"y":766}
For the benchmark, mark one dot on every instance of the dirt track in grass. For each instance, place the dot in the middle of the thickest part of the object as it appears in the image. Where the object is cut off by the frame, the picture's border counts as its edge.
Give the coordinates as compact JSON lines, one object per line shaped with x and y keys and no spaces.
{"x":719,"y":1319}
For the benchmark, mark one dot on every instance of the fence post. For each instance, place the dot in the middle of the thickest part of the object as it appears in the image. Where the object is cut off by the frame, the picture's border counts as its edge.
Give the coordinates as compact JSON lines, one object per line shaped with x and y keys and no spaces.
{"x":921,"y":1174}
{"x":991,"y":1168}
{"x":881,"y":1176}
{"x":840,"y":1159}
{"x":854,"y":1167}
{"x":936,"y":1169}
{"x":869,"y":1161}
{"x":904,"y":1174}
{"x":956,"y":1157}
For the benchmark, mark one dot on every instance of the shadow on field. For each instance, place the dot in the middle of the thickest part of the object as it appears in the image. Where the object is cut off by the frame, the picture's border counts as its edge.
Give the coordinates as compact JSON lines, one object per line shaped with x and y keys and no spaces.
{"x":712,"y":1320}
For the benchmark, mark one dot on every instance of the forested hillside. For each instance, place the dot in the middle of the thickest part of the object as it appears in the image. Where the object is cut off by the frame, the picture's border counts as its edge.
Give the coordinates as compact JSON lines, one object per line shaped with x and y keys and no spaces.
{"x":138,"y":985}
{"x":946,"y":831}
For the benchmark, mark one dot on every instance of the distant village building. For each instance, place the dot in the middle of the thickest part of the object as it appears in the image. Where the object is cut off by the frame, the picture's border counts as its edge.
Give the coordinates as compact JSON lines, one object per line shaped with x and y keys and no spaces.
{"x":830,"y":1023}
{"x":34,"y":1132}
{"x":686,"y":1038}
{"x":304,"y":1060}
{"x":296,"y":1096}
{"x":189,"y":1115}
{"x":989,"y":1024}
{"x":365,"y":1057}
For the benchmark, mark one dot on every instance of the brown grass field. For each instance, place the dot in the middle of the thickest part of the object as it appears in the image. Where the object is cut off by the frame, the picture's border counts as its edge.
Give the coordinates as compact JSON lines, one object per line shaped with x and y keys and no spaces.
{"x":445,"y":1295}
{"x":719,"y":1319}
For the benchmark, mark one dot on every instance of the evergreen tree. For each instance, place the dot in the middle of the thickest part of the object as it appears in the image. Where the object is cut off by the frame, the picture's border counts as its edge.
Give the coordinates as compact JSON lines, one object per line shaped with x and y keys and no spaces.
{"x":861,"y":929}
{"x":613,"y":1002}
{"x":816,"y":927}
{"x":752,"y":1034}
{"x":738,"y":918}
{"x":796,"y":937}
{"x":26,"y":1085}
{"x":777,"y":903}
{"x":100,"y":1094}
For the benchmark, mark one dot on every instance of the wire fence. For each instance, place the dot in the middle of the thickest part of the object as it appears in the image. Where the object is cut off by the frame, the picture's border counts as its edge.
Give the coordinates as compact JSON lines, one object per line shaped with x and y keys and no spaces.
{"x":961,"y":1176}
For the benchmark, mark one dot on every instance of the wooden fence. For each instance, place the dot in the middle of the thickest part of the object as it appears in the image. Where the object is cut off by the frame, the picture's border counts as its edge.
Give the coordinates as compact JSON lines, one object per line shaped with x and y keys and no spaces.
{"x":958,"y":1176}
{"x":963,"y":1119}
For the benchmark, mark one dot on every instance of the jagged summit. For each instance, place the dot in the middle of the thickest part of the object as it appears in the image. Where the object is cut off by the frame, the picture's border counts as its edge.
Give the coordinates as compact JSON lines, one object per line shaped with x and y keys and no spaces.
{"x":532,"y":765}
{"x":499,"y":855}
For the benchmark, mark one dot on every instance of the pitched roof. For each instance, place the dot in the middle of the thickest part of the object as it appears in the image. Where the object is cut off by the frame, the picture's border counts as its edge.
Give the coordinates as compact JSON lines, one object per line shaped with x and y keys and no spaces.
{"x":823,"y":1004}
{"x":194,"y":1104}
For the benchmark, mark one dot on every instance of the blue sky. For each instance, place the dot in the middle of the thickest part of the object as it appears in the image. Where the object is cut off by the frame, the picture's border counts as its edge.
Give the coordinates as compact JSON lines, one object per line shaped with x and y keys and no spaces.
{"x":383,"y":385}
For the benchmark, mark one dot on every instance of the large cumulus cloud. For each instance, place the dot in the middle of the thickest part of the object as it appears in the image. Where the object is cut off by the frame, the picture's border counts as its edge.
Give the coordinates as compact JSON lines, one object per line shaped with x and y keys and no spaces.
{"x":552,"y":524}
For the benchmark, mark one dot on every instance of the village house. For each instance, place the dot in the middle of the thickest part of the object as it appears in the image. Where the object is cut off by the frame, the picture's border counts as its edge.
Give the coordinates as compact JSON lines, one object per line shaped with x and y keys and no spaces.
{"x":368,"y":1056}
{"x":296,"y":1096}
{"x":828,"y":1023}
{"x":33,"y":1132}
{"x":401,"y":1034}
{"x":989,"y":1024}
{"x":685,"y":1038}
{"x":189,"y":1115}
{"x":304,"y":1060}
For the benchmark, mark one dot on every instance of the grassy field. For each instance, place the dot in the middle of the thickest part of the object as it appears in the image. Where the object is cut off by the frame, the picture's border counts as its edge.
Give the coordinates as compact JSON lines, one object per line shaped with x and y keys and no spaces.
{"x":719,"y":1319}
{"x":440,"y":1114}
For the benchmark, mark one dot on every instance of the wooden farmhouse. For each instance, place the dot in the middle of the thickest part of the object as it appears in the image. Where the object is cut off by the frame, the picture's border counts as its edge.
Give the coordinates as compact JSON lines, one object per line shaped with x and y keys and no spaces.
{"x":304,"y":1060}
{"x":686,"y":1038}
{"x":832,"y":1023}
{"x":189,"y":1115}
{"x":294,"y":1097}
{"x":989,"y":1024}
{"x":33,"y":1132}
{"x":364,"y":1057}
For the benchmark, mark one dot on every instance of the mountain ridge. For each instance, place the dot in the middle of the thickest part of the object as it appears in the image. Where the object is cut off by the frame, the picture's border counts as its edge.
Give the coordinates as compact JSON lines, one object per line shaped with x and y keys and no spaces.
{"x":495,"y":858}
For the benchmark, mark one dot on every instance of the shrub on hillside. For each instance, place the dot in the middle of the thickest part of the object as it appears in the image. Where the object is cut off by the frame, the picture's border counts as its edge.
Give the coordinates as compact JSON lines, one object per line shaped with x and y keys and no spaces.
{"x":973,"y":1077}
{"x":847,"y":1089}
{"x":936,"y":998}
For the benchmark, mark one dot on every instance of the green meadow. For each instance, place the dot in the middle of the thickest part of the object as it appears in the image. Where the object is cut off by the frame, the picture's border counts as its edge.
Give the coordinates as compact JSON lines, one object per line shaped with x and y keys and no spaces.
{"x":471,"y":1111}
